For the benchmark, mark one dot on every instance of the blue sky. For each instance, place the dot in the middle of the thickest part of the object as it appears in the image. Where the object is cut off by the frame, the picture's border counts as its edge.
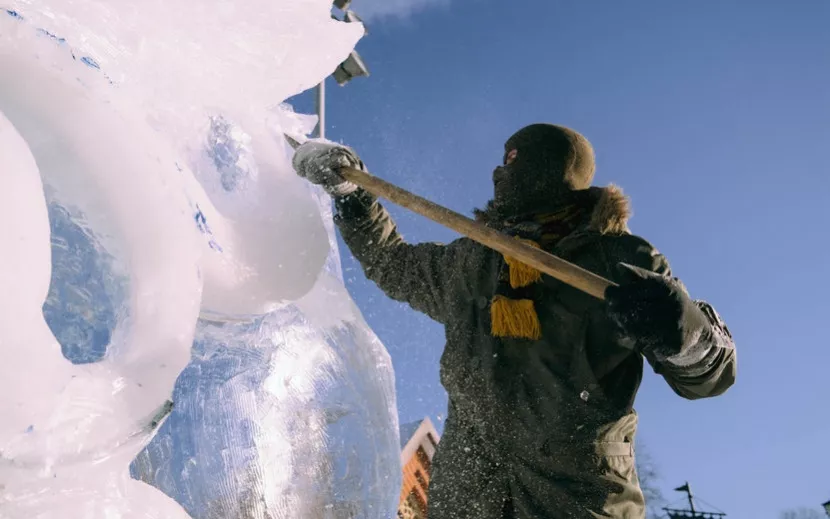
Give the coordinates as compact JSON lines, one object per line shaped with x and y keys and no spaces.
{"x":713,"y":117}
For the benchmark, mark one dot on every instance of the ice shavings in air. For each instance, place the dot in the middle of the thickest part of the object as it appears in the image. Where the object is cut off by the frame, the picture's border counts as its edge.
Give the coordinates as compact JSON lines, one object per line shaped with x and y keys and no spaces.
{"x":159,"y":248}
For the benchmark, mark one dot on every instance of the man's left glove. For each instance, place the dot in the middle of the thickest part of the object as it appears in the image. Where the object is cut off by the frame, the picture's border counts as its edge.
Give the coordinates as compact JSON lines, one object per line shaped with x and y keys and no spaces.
{"x":318,"y":162}
{"x":655,"y":312}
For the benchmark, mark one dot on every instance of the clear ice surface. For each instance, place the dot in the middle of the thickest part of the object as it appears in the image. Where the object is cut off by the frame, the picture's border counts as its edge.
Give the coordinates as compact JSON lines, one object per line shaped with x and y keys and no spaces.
{"x":158,"y":247}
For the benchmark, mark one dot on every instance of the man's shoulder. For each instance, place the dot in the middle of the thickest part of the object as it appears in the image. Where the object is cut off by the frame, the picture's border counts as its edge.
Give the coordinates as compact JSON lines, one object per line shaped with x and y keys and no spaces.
{"x":603,"y":251}
{"x":635,"y":250}
{"x":628,"y":242}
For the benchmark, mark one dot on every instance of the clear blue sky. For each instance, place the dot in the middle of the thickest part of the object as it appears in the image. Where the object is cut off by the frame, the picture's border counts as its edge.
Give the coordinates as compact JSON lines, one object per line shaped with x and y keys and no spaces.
{"x":714,"y":117}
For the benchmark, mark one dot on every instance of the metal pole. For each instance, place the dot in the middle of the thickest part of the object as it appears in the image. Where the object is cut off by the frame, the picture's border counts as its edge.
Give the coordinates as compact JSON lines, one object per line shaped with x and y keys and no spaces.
{"x":321,"y":109}
{"x":691,"y":499}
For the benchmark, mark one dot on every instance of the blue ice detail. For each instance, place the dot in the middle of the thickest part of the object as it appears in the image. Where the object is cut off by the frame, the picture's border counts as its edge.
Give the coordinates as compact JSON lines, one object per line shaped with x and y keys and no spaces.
{"x":86,"y":60}
{"x":226,"y":150}
{"x":201,"y":223}
{"x":85,"y":292}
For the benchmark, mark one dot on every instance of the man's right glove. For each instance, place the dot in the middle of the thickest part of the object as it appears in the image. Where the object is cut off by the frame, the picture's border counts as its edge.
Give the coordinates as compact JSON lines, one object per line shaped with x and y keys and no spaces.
{"x":656,"y":313}
{"x":318,"y":161}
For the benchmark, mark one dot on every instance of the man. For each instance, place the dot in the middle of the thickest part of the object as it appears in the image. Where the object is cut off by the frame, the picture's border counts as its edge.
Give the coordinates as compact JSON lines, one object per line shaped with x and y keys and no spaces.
{"x":541,"y":377}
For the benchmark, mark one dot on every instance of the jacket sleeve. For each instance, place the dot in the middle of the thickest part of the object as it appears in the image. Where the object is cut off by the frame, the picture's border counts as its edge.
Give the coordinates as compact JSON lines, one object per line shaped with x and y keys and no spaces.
{"x":706,"y":367}
{"x":430,"y":277}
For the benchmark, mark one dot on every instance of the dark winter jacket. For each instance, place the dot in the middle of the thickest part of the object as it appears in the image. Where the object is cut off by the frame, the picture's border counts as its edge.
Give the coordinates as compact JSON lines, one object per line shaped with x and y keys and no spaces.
{"x":535,"y":429}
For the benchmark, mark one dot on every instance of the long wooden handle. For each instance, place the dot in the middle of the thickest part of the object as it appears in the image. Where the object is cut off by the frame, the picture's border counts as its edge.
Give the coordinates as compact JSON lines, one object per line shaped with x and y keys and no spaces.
{"x":542,"y":261}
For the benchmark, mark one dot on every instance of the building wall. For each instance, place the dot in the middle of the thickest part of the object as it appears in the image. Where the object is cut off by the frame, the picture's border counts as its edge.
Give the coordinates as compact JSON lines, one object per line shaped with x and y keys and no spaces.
{"x":415,"y":488}
{"x":417,"y":468}
{"x":412,"y":508}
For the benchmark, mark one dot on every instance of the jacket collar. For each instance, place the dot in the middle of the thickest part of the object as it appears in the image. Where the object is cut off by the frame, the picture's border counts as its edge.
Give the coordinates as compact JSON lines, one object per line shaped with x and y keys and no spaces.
{"x":609,"y":215}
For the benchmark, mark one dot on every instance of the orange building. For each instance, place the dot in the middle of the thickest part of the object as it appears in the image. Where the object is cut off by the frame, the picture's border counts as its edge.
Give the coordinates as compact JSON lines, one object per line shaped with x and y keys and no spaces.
{"x":418,"y":443}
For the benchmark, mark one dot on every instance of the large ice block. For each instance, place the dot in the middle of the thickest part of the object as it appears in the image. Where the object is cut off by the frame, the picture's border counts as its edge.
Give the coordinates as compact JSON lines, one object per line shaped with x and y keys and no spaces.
{"x":149,"y":152}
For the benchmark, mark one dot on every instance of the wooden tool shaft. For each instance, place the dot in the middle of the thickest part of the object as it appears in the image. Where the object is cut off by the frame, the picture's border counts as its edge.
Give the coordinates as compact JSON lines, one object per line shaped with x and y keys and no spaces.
{"x":542,"y":261}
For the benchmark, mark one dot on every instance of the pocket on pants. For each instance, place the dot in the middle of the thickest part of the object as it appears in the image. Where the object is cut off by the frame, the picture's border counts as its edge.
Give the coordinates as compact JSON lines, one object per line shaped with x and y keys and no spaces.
{"x":616,"y":460}
{"x":617,"y":465}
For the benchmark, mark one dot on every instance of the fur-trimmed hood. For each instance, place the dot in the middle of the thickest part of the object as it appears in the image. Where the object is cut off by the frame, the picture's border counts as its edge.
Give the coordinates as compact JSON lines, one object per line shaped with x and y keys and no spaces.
{"x":612,"y":210}
{"x":610,"y":214}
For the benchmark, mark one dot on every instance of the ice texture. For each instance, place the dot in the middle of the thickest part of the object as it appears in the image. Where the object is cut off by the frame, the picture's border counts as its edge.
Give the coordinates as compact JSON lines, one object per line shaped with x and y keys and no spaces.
{"x":158,"y":247}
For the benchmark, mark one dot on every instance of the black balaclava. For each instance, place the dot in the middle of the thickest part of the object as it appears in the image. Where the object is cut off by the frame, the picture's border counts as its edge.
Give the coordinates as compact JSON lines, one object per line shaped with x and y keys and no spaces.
{"x":543,"y":163}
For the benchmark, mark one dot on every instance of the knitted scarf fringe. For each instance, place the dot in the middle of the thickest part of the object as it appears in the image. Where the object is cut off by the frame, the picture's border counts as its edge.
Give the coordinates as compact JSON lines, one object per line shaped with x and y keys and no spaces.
{"x":517,"y":318}
{"x":514,"y":318}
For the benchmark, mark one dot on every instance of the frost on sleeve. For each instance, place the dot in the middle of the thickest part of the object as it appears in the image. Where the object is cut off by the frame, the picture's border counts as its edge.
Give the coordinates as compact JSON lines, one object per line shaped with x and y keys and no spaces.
{"x":430,"y":277}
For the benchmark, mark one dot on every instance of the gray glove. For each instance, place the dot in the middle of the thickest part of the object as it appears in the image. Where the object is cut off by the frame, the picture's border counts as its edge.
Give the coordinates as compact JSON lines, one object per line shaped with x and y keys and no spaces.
{"x":318,"y":161}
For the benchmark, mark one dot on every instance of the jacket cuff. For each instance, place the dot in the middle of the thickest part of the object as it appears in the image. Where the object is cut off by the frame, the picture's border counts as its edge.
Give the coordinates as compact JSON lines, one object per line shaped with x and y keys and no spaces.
{"x":702,"y":350}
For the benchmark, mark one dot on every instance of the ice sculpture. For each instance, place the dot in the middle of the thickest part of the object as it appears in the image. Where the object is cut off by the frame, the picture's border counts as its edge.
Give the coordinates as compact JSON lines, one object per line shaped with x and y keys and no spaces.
{"x":148,"y":146}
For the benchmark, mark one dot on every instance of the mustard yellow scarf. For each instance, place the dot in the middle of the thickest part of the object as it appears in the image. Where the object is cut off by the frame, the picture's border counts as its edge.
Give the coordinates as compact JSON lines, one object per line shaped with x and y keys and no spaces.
{"x":512,"y":310}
